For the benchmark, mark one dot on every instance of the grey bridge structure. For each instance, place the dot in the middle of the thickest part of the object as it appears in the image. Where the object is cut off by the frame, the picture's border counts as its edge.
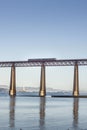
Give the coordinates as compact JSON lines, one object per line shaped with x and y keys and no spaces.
{"x":43,"y":63}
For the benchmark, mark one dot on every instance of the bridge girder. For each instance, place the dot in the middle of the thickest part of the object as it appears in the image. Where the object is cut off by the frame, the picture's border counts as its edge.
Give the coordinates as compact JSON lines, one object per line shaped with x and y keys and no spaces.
{"x":54,"y":62}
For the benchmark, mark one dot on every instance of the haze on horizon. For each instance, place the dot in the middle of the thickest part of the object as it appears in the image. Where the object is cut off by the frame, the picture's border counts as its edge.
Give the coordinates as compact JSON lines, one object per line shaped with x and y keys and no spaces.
{"x":43,"y":29}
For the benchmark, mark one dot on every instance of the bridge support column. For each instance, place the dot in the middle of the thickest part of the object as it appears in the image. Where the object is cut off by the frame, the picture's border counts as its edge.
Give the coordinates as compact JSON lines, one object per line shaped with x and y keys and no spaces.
{"x":42,"y":91}
{"x":12,"y":90}
{"x":76,"y":81}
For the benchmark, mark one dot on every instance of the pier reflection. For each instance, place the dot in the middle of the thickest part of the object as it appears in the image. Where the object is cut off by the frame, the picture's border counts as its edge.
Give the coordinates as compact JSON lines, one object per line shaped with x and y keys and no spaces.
{"x":12,"y":111}
{"x":42,"y":112}
{"x":75,"y":112}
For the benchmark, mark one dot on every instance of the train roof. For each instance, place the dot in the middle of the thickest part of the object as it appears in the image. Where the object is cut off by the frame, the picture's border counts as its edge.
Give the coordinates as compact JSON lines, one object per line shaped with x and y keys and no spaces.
{"x":42,"y":59}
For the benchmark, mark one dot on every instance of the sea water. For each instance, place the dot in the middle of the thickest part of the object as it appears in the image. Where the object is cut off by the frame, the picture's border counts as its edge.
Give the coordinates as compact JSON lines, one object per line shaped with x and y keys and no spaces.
{"x":39,"y":113}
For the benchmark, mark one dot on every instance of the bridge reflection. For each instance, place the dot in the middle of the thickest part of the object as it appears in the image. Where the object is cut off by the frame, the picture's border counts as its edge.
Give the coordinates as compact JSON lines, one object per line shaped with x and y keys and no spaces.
{"x":75,"y":112}
{"x":42,"y":112}
{"x":12,"y":111}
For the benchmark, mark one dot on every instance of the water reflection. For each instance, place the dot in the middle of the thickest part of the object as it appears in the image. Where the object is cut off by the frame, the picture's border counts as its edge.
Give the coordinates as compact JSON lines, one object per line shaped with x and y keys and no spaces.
{"x":42,"y":112}
{"x":75,"y":112}
{"x":12,"y":112}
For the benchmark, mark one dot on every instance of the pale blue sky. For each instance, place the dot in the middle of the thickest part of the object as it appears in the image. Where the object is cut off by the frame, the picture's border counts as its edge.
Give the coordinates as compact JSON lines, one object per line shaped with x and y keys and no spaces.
{"x":43,"y":28}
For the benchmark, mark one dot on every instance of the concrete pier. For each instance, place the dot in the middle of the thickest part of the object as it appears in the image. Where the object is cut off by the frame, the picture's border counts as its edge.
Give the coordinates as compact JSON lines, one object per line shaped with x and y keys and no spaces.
{"x":12,"y":90}
{"x":76,"y":81}
{"x":42,"y":91}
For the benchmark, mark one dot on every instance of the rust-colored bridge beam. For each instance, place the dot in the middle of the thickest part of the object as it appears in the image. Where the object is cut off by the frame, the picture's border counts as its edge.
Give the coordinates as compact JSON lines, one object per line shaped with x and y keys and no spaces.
{"x":42,"y":91}
{"x":12,"y":90}
{"x":76,"y":81}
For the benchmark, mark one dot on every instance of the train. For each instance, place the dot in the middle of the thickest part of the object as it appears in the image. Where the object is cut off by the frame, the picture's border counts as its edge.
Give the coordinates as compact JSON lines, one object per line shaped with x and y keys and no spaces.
{"x":42,"y":59}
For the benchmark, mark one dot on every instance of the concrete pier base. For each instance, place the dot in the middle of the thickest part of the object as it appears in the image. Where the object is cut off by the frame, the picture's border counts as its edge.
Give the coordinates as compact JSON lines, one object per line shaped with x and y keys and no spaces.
{"x":12,"y":90}
{"x":42,"y":91}
{"x":76,"y":81}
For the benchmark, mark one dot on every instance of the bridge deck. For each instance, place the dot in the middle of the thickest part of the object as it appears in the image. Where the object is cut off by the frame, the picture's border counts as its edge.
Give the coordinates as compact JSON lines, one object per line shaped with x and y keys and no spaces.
{"x":46,"y":62}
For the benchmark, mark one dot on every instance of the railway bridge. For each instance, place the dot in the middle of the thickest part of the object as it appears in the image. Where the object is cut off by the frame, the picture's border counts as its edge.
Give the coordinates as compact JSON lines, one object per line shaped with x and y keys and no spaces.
{"x":43,"y":63}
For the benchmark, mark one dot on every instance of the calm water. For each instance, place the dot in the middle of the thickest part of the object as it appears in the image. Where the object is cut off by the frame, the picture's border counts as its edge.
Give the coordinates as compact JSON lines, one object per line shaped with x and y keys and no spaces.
{"x":35,"y":113}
